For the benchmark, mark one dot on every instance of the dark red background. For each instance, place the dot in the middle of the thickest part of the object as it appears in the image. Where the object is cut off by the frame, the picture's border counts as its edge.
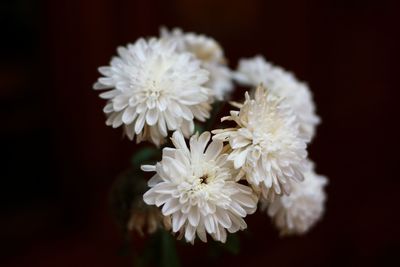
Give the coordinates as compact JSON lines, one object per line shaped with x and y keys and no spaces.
{"x":59,"y":159}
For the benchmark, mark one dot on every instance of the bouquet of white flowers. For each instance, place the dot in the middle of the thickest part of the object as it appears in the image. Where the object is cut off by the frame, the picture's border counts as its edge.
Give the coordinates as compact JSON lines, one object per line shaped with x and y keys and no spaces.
{"x":168,"y":90}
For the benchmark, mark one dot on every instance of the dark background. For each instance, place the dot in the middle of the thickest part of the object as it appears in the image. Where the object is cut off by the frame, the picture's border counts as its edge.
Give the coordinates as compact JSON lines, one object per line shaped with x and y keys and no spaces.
{"x":59,"y":160}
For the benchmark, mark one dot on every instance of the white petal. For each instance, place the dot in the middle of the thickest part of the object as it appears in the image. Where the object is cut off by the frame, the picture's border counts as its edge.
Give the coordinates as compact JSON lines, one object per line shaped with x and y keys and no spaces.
{"x":223,"y":218}
{"x":152,"y":116}
{"x":161,"y":199}
{"x":203,"y":141}
{"x":162,"y":126}
{"x":176,"y":169}
{"x":213,"y":150}
{"x":194,"y":216}
{"x":106,"y":71}
{"x":202,"y":233}
{"x":101,"y":86}
{"x":150,"y":197}
{"x":120,"y":102}
{"x":139,"y":123}
{"x":240,"y":159}
{"x":129,"y":115}
{"x":190,"y":232}
{"x":156,"y":179}
{"x":237,"y":209}
{"x":209,"y":224}
{"x":117,"y":120}
{"x":245,"y":200}
{"x":175,"y":221}
{"x":223,"y":235}
{"x":171,"y":121}
{"x":170,"y":207}
{"x":148,"y":168}
{"x":239,"y":141}
{"x":109,"y":94}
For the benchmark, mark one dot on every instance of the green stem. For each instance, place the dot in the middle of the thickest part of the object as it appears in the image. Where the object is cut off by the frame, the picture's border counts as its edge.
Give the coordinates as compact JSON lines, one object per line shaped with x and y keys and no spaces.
{"x":217,"y":107}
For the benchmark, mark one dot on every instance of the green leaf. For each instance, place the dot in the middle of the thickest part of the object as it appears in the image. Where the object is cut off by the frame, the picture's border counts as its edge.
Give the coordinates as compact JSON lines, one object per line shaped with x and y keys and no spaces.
{"x":198,"y":128}
{"x":169,"y":256}
{"x":145,"y":155}
{"x":216,"y":248}
{"x":159,"y":251}
{"x":232,"y":244}
{"x":214,"y":117}
{"x":149,"y":254}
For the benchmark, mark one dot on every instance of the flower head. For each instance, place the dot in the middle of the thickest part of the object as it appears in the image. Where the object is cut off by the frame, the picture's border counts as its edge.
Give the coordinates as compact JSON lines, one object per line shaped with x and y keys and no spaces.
{"x":196,"y":188}
{"x":153,"y":89}
{"x":265,"y":144}
{"x":210,"y":53}
{"x":254,"y":71}
{"x":298,"y":212}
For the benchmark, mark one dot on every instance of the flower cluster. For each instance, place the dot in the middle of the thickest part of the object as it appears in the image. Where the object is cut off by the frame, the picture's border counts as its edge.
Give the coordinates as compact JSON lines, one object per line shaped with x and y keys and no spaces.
{"x":207,"y":183}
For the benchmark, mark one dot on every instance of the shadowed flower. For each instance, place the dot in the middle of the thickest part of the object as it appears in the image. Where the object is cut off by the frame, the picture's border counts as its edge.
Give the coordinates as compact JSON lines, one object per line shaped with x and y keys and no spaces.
{"x":298,"y":212}
{"x":210,"y":53}
{"x":148,"y":220}
{"x":253,"y":71}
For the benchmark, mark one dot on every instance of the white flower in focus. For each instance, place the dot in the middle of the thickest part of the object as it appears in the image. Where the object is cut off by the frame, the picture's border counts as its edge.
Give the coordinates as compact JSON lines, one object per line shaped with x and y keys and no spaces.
{"x":298,"y":212}
{"x":153,"y":89}
{"x":196,"y":188}
{"x":253,"y":71}
{"x":210,"y":53}
{"x":266,"y":144}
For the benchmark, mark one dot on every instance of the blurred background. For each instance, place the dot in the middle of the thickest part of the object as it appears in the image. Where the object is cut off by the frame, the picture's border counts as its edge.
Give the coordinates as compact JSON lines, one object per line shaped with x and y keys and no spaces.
{"x":59,"y":160}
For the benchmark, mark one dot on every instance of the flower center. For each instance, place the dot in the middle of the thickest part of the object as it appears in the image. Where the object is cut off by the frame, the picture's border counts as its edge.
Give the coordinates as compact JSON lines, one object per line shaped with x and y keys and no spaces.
{"x":204,"y":179}
{"x":152,"y":92}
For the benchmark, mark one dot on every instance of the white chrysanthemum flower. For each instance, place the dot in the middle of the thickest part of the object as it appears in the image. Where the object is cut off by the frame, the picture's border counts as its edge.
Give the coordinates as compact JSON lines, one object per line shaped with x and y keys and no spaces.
{"x":197,"y":189}
{"x":253,"y":71}
{"x":298,"y":212}
{"x":266,"y":144}
{"x":210,"y":53}
{"x":154,"y":89}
